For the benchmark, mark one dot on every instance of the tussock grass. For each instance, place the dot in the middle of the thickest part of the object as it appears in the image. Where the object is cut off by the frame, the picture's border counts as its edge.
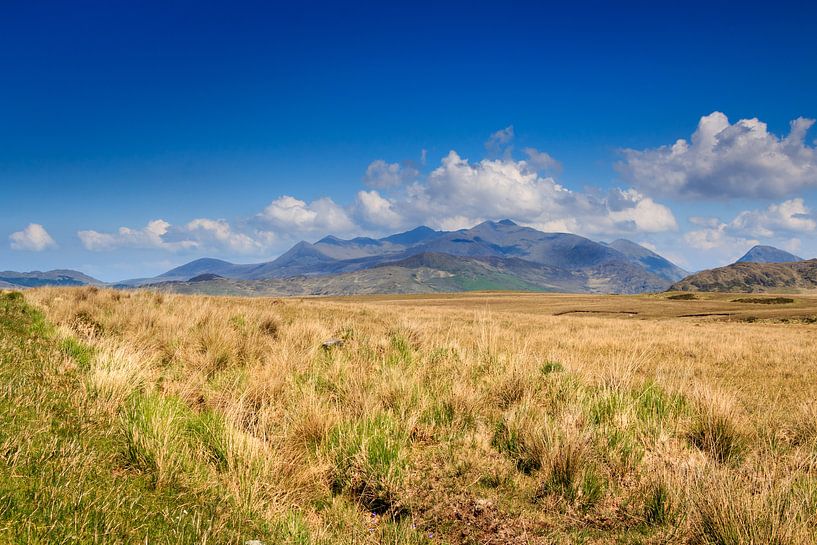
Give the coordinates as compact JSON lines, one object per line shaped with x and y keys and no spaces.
{"x":431,"y":423}
{"x":153,"y":429}
{"x":715,"y":430}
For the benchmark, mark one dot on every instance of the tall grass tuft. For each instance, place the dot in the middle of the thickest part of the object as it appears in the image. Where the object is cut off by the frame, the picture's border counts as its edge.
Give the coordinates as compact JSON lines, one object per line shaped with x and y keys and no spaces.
{"x":153,"y":429}
{"x":368,"y":461}
{"x":714,"y":430}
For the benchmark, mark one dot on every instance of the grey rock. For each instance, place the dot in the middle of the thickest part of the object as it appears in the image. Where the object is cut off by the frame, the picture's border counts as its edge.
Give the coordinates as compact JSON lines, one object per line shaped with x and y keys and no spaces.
{"x":331,"y":343}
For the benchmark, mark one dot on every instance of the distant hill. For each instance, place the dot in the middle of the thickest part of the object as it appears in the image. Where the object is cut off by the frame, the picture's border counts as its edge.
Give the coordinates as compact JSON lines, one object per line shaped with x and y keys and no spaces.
{"x":35,"y":279}
{"x":768,"y":254}
{"x":501,"y":254}
{"x":753,"y":277}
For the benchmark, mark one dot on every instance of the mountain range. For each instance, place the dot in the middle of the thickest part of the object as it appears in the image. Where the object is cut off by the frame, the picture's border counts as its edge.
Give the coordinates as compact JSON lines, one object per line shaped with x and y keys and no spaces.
{"x":494,"y":255}
{"x":491,"y":255}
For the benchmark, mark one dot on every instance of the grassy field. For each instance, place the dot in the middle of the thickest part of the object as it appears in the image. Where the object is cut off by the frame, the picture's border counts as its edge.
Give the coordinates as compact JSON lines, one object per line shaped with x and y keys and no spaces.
{"x":133,"y":417}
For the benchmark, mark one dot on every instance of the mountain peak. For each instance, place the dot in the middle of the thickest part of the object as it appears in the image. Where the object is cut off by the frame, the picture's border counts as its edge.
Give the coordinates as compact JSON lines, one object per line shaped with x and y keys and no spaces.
{"x":768,"y":254}
{"x":416,"y":235}
{"x":495,"y":224}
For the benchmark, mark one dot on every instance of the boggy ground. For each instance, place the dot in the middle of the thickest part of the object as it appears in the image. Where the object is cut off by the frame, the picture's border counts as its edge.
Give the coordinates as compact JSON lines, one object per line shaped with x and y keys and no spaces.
{"x":493,"y":418}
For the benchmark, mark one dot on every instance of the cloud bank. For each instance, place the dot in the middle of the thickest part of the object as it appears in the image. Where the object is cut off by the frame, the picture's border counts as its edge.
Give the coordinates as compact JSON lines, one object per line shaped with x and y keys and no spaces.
{"x":782,"y":222}
{"x":724,"y":160}
{"x":198,"y":234}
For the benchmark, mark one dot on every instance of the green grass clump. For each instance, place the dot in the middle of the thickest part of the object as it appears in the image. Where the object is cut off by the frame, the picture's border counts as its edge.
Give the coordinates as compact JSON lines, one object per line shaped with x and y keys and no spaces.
{"x":208,"y":431}
{"x":153,"y":428}
{"x":401,"y":352}
{"x":517,"y":443}
{"x":78,"y":352}
{"x":659,"y":507}
{"x":551,"y":367}
{"x":571,"y":475}
{"x":368,"y":461}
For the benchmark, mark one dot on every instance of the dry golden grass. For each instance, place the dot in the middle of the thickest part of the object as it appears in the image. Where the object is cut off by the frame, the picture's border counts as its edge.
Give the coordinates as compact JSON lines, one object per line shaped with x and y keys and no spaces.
{"x":475,"y":418}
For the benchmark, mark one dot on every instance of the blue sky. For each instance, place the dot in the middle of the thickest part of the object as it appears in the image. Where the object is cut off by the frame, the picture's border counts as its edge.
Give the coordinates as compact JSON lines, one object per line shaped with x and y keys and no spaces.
{"x":138,"y":136}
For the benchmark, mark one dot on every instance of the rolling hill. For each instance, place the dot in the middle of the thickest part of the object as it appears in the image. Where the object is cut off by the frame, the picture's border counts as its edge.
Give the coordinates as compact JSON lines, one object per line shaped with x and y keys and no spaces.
{"x":34,"y":279}
{"x":746,"y":277}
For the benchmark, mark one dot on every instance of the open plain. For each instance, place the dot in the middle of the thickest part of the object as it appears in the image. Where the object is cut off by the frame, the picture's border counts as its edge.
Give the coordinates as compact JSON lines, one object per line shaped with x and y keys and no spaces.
{"x":474,"y":418}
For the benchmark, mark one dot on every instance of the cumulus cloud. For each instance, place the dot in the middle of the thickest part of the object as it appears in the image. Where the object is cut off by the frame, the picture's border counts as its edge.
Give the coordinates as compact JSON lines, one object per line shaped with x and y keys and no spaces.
{"x":376,"y":210}
{"x":725,"y":160}
{"x":222,"y":234}
{"x":291,"y":215}
{"x":791,"y":216}
{"x":777,"y":222}
{"x":643,"y":213}
{"x":33,"y":238}
{"x":198,"y":234}
{"x":716,"y":236}
{"x":382,"y":175}
{"x":459,"y":194}
{"x":150,"y":236}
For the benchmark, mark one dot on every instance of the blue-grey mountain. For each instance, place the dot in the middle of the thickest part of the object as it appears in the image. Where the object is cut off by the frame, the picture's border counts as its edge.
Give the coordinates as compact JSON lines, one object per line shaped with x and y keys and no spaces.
{"x":768,"y":254}
{"x":35,"y":279}
{"x":491,"y":255}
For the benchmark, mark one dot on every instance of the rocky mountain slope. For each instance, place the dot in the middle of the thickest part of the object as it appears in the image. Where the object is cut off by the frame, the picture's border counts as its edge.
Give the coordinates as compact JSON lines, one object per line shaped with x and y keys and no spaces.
{"x":754,"y":277}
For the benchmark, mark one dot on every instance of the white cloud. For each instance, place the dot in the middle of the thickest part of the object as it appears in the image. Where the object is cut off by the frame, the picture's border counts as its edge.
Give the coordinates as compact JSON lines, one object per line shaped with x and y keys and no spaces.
{"x":642,"y":212}
{"x":33,"y":238}
{"x":716,"y":237}
{"x":789,"y":216}
{"x":383,"y":175}
{"x":459,"y":193}
{"x":376,"y":210}
{"x":151,"y":236}
{"x":775,"y":223}
{"x":726,"y":160}
{"x":294,"y":216}
{"x":220,"y":233}
{"x":198,"y":234}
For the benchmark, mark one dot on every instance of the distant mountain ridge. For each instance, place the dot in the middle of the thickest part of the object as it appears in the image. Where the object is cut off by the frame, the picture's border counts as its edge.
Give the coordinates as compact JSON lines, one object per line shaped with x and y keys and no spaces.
{"x":495,"y":255}
{"x":36,"y":279}
{"x":748,"y":277}
{"x":768,"y":254}
{"x":499,"y":254}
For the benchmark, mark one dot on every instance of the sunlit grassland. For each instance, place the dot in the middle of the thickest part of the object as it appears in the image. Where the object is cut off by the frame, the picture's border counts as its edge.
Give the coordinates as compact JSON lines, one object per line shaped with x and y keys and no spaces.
{"x":475,"y":419}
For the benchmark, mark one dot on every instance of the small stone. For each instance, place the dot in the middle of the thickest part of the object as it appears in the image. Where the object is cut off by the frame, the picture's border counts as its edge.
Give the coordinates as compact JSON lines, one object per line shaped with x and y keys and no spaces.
{"x":253,"y":542}
{"x":331,"y":343}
